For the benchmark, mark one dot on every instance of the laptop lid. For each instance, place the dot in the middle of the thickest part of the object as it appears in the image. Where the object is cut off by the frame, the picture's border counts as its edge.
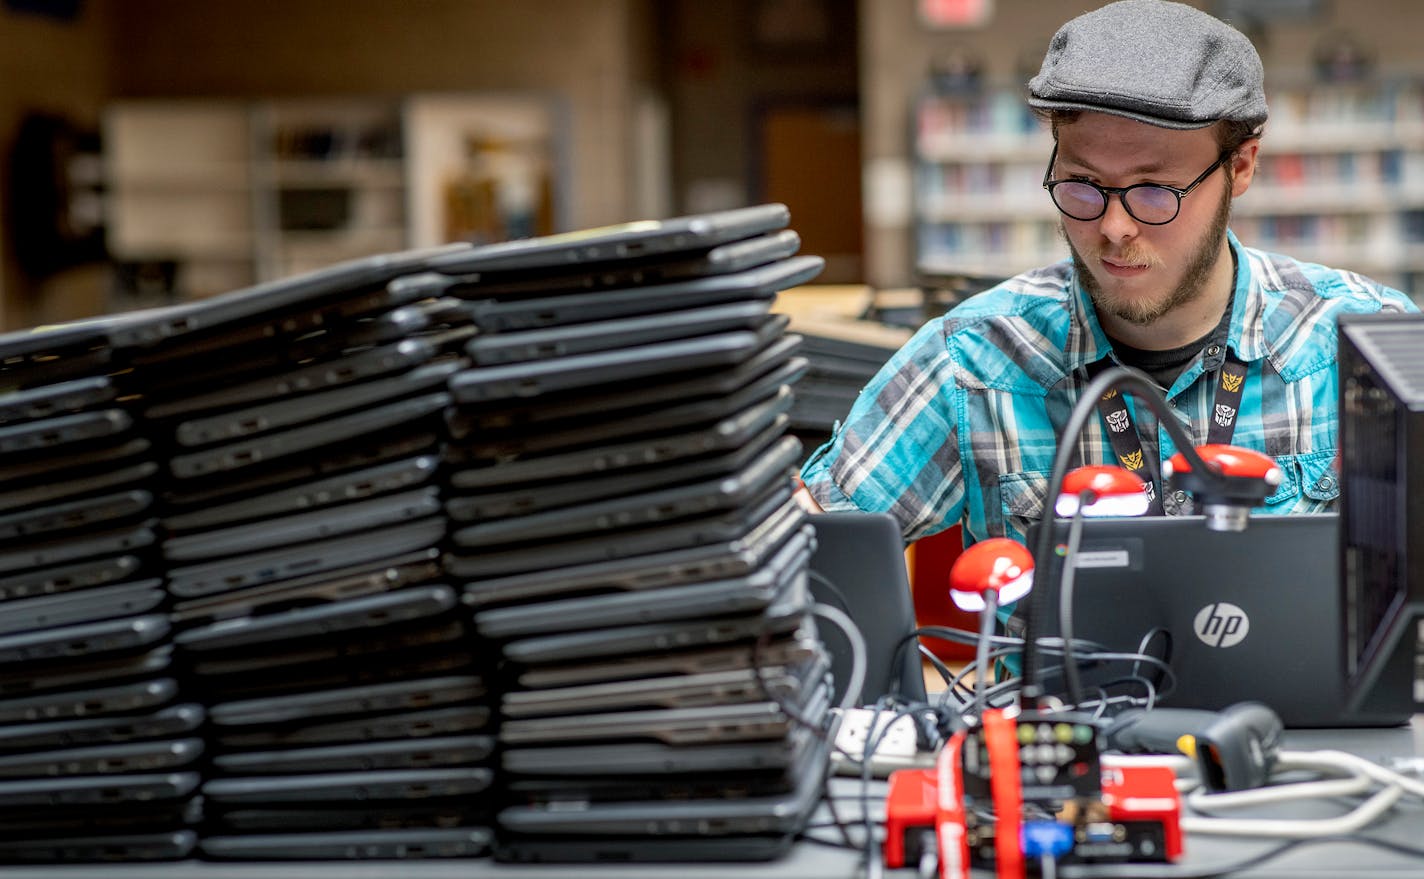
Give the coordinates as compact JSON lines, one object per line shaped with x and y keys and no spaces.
{"x":859,"y":567}
{"x":192,"y":327}
{"x":1252,"y":615}
{"x":600,"y":404}
{"x":734,"y":256}
{"x":617,"y":242}
{"x":762,"y":282}
{"x":600,"y":335}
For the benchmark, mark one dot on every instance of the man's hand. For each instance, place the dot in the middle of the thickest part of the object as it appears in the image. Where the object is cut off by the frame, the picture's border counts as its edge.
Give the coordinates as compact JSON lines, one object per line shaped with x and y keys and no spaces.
{"x":803,"y":497}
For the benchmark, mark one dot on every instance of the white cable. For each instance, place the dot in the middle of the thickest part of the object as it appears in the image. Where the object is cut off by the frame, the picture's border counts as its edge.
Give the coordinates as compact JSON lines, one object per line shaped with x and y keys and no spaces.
{"x":1202,"y":801}
{"x":1377,"y":772}
{"x":1382,"y":801}
{"x":840,"y":620}
{"x":1359,"y":776}
{"x":1355,"y":781}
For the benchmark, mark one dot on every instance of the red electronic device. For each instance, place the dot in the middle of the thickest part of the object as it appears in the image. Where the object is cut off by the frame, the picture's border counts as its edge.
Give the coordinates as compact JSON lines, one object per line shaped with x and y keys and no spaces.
{"x":1133,"y":815}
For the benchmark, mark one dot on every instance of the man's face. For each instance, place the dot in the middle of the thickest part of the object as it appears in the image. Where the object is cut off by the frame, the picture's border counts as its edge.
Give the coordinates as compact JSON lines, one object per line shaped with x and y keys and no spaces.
{"x":1133,"y":270}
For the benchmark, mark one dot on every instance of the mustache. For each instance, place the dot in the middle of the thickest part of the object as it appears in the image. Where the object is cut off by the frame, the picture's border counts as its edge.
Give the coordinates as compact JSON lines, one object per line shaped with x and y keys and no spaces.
{"x":1133,"y":254}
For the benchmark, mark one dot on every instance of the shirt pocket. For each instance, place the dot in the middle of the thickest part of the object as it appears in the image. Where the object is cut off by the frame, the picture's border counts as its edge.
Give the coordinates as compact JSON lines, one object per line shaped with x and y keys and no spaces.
{"x":1309,"y":484}
{"x":1021,"y":502}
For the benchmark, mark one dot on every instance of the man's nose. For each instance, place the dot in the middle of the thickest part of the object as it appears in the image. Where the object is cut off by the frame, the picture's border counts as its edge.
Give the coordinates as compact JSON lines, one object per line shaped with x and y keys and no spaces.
{"x":1116,"y":224}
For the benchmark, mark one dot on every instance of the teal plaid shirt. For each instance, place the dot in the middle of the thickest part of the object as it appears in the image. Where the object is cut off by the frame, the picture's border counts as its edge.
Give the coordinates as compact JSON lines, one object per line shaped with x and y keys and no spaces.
{"x":961,"y":425}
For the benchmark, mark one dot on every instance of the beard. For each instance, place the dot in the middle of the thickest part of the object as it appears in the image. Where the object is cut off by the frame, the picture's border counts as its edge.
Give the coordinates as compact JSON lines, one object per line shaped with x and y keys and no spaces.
{"x":1143,"y":312}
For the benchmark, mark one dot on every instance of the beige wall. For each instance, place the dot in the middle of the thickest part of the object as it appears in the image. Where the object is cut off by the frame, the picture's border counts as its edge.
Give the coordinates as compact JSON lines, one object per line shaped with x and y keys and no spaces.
{"x":897,"y":52}
{"x":58,"y":67}
{"x":592,"y":54}
{"x":601,"y":56}
{"x":588,"y":52}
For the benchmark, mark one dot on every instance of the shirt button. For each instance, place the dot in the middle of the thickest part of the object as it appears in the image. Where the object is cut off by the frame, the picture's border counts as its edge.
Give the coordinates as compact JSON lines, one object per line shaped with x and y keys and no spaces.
{"x":1213,"y":350}
{"x":1325,"y":483}
{"x":1179,"y":496}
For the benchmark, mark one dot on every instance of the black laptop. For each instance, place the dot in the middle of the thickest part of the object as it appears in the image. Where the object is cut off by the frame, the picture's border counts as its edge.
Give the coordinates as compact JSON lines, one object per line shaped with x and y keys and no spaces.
{"x":1251,"y":615}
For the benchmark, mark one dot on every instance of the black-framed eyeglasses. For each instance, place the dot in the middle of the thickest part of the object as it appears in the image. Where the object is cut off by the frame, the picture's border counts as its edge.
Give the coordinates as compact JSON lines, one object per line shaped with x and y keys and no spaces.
{"x":1150,"y":203}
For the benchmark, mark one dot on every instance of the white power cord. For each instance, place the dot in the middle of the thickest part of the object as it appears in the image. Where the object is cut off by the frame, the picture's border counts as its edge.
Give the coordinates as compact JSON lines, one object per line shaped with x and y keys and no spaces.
{"x":1353,"y":782}
{"x":858,"y":650}
{"x":1358,"y":775}
{"x":1298,"y":828}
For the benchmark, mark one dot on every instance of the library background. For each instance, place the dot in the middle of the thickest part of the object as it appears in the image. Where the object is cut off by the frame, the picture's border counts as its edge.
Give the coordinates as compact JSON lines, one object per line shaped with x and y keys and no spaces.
{"x":160,"y":151}
{"x":894,"y":132}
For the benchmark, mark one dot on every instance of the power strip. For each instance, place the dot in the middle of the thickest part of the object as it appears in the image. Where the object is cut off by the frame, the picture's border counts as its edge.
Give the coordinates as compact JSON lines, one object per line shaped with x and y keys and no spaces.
{"x":897,"y":748}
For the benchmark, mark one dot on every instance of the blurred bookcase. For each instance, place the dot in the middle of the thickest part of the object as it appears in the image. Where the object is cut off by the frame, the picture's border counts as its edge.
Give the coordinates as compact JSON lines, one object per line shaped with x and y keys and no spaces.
{"x":1340,"y":181}
{"x":204,"y":196}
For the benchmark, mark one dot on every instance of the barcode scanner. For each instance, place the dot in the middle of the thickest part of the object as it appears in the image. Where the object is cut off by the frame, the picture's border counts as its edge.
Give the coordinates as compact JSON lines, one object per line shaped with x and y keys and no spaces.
{"x":1234,"y":749}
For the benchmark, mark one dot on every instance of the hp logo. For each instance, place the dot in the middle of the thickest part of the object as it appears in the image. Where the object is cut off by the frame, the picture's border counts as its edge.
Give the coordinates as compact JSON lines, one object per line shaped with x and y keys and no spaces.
{"x":1221,"y":625}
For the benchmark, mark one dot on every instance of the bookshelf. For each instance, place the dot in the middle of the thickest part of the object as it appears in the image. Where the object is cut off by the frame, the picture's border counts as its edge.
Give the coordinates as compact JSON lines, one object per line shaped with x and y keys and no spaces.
{"x":979,"y":206}
{"x":1341,"y":182}
{"x":330,"y":182}
{"x":205,"y":196}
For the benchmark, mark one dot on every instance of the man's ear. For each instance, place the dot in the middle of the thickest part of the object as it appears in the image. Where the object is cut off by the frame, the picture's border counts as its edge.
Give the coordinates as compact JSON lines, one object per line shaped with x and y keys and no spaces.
{"x":1243,"y":166}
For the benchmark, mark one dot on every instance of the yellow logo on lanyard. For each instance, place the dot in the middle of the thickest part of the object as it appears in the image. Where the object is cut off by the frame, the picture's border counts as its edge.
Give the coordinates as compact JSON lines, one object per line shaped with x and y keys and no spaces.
{"x":1132,"y":461}
{"x":1230,"y":382}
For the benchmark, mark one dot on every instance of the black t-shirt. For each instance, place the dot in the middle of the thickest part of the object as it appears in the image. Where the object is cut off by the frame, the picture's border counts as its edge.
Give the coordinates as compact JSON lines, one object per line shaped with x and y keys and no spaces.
{"x":1164,"y":366}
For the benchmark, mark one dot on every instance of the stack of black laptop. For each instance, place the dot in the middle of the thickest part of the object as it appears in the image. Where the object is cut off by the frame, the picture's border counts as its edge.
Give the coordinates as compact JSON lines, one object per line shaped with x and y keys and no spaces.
{"x":619,"y":489}
{"x":301,"y":425}
{"x":839,"y":368}
{"x":97,"y":748}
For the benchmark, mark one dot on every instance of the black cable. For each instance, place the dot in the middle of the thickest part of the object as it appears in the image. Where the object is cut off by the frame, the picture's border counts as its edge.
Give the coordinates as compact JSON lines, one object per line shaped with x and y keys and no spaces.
{"x":929,"y":656}
{"x":1206,"y":871}
{"x":1101,"y":701}
{"x":994,"y":655}
{"x":968,"y":707}
{"x":1013,"y":685}
{"x":981,"y":650}
{"x":873,"y":740}
{"x":834,"y":589}
{"x":819,"y":730}
{"x":1167,"y":677}
{"x":1049,"y":645}
{"x":1124,"y":379}
{"x":1145,"y":643}
{"x":964,"y":636}
{"x":1096,"y":653}
{"x":1071,"y":680}
{"x":1052,"y":647}
{"x":1149,"y":697}
{"x":836,"y":819}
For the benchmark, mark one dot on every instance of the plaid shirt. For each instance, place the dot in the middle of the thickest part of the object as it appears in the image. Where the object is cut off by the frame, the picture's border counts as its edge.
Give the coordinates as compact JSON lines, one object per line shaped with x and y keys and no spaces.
{"x":961,"y":425}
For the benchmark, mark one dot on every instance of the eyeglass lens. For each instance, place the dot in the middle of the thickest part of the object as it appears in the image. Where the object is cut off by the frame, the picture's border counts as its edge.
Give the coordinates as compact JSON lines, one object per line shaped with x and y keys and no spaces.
{"x":1083,"y":201}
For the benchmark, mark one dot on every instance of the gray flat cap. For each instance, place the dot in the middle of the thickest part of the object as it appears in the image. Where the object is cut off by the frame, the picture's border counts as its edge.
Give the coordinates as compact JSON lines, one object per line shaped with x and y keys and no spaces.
{"x":1155,"y":61}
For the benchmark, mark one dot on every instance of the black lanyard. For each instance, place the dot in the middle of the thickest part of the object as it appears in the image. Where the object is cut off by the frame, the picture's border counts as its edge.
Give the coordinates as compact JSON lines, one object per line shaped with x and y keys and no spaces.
{"x":1127,"y":444}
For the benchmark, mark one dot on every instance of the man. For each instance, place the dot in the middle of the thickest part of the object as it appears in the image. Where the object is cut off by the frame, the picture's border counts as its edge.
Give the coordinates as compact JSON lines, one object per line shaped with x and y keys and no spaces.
{"x":1156,"y":110}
